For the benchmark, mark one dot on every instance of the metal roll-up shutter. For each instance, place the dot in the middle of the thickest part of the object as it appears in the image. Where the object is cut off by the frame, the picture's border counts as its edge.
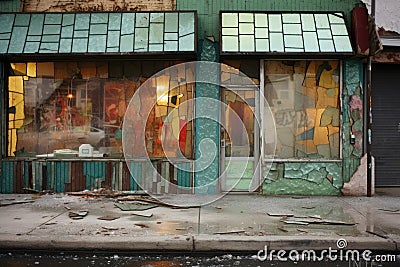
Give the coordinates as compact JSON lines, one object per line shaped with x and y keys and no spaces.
{"x":386,"y":123}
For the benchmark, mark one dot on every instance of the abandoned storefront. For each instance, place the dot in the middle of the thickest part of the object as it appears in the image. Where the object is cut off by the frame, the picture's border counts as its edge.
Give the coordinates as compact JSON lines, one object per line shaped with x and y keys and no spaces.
{"x":70,"y":80}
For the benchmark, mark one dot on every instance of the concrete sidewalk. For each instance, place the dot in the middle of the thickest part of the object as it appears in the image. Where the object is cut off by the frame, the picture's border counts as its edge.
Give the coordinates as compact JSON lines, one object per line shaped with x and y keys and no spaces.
{"x":234,"y":223}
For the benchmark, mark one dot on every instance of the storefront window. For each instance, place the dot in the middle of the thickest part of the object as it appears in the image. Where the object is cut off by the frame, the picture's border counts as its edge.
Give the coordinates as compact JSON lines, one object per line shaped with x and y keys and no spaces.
{"x":304,"y":99}
{"x":55,"y":107}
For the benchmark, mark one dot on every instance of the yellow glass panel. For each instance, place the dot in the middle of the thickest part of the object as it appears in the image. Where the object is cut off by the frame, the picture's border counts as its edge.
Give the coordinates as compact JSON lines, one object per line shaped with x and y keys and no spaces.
{"x":31,"y":69}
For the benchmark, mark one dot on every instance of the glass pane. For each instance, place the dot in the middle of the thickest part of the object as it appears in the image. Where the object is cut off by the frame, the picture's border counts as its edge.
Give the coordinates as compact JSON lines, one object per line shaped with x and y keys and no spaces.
{"x":339,"y":29}
{"x":50,"y":38}
{"x":276,"y":42}
{"x":3,"y":46}
{"x":326,"y":46}
{"x":128,"y":20}
{"x":112,"y":49}
{"x":324,"y":34}
{"x":342,"y":44}
{"x":262,"y":45}
{"x":157,"y":17}
{"x":261,"y":32}
{"x":113,"y":39}
{"x":68,"y":19}
{"x":310,"y":42}
{"x":97,"y":43}
{"x":31,"y":47}
{"x":291,"y":18}
{"x":99,"y":18}
{"x":156,"y":33}
{"x":53,"y":19}
{"x":171,"y":36}
{"x":307,"y":22}
{"x":230,"y":43}
{"x":186,"y":43}
{"x":7,"y":21}
{"x":261,"y":20}
{"x":34,"y":38}
{"x":98,"y":29}
{"x":293,"y":41}
{"x":292,"y":28}
{"x":246,"y":43}
{"x":230,"y":31}
{"x":275,"y":23}
{"x":141,"y":40}
{"x":230,"y":20}
{"x":246,"y":17}
{"x":115,"y":21}
{"x":18,"y":40}
{"x":36,"y":26}
{"x":293,"y":50}
{"x":22,"y":20}
{"x":142,"y":20}
{"x":126,"y":43}
{"x":246,"y":28}
{"x":67,"y":31}
{"x":186,"y":23}
{"x":51,"y":29}
{"x":171,"y":22}
{"x":81,"y":34}
{"x":155,"y":47}
{"x":48,"y":48}
{"x":336,"y":18}
{"x":321,"y":20}
{"x":82,"y":21}
{"x":65,"y":46}
{"x":171,"y":46}
{"x":79,"y":45}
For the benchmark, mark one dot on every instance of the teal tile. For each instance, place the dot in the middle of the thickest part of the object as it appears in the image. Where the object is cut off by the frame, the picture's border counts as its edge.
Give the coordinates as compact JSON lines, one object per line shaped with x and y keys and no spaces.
{"x":67,"y":31}
{"x":142,"y":20}
{"x":53,"y":19}
{"x":7,"y":21}
{"x":170,"y":46}
{"x":36,"y":25}
{"x":157,"y":17}
{"x":115,"y":21}
{"x":99,"y":18}
{"x":81,"y":34}
{"x":48,"y":48}
{"x":51,"y":29}
{"x":128,"y":22}
{"x":22,"y":20}
{"x":50,"y":38}
{"x":156,"y":33}
{"x":126,"y":43}
{"x":4,"y":46}
{"x":82,"y":21}
{"x":31,"y":47}
{"x":79,"y":45}
{"x":98,"y":29}
{"x":112,"y":49}
{"x":17,"y":40}
{"x":156,"y":47}
{"x":113,"y":39}
{"x":171,"y":22}
{"x":186,"y":43}
{"x":68,"y":19}
{"x":5,"y":36}
{"x":65,"y":45}
{"x":141,"y":40}
{"x":97,"y":43}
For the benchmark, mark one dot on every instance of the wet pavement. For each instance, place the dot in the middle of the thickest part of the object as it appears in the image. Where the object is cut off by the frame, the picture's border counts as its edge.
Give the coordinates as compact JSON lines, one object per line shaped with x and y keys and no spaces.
{"x":233,"y":223}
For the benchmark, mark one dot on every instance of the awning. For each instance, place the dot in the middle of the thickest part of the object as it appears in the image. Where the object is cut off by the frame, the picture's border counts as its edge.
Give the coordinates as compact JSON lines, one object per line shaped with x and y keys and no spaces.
{"x":98,"y":33}
{"x":284,"y":33}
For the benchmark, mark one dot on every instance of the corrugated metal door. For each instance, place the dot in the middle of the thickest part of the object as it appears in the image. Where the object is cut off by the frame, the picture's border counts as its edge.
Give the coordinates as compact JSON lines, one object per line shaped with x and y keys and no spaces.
{"x":386,"y":124}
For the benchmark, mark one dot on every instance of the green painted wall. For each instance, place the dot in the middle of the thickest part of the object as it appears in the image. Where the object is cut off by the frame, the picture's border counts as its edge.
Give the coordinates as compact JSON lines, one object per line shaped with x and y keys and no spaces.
{"x":208,"y":10}
{"x":10,"y":6}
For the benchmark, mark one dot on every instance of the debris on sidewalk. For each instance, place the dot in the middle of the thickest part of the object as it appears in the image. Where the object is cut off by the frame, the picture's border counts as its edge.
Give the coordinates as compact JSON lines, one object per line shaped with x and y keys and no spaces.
{"x":390,"y":210}
{"x":377,"y":234}
{"x":102,"y":192}
{"x":77,"y":215}
{"x":302,"y":230}
{"x":230,"y":232}
{"x":16,"y":202}
{"x":295,"y":222}
{"x":142,"y":225}
{"x":143,"y":214}
{"x":135,"y":206}
{"x":110,"y":228}
{"x":315,"y":219}
{"x":282,"y":229}
{"x":278,"y":214}
{"x":108,"y":218}
{"x":153,"y":201}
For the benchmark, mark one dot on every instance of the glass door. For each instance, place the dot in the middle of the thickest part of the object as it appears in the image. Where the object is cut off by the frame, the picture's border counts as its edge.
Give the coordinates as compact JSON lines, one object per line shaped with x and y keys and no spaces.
{"x":239,"y":146}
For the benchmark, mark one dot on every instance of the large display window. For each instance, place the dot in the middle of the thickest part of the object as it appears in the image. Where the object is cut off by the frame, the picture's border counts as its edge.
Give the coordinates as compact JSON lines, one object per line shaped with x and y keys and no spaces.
{"x":55,"y":107}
